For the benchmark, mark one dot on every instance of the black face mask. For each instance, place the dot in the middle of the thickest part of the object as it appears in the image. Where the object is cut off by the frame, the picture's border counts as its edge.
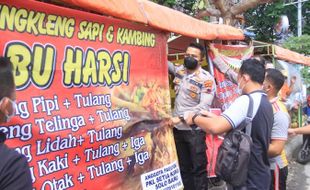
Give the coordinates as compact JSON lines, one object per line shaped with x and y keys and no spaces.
{"x":190,"y":63}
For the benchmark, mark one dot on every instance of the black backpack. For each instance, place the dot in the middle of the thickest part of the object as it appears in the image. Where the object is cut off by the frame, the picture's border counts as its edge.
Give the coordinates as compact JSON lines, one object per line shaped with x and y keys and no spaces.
{"x":234,"y":153}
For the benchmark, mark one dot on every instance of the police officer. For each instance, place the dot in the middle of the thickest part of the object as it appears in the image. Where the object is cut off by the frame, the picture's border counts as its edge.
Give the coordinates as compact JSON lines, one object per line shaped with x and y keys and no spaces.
{"x":194,"y":88}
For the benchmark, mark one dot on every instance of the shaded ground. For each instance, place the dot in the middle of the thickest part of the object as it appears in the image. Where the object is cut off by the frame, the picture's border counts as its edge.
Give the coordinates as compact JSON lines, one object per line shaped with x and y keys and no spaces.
{"x":299,"y":175}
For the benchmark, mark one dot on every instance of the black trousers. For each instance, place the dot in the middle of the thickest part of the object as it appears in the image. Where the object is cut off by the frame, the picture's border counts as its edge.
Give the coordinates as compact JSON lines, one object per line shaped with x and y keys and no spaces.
{"x":191,"y":150}
{"x":229,"y":187}
{"x":279,"y":177}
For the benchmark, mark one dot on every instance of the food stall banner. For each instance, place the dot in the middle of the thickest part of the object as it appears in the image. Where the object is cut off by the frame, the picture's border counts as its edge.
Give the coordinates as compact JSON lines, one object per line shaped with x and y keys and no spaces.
{"x":92,"y":99}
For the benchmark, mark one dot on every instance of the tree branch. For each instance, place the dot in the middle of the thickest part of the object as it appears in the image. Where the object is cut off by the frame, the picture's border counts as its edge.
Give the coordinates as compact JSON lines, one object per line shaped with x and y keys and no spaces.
{"x":220,"y":4}
{"x":208,"y":12}
{"x":245,"y":5}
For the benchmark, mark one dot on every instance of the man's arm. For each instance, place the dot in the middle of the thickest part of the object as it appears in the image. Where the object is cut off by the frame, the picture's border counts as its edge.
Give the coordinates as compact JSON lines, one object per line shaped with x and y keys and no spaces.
{"x":171,"y":68}
{"x":276,"y":147}
{"x":232,"y":76}
{"x":301,"y":130}
{"x":224,"y":68}
{"x":214,"y":125}
{"x":231,"y":118}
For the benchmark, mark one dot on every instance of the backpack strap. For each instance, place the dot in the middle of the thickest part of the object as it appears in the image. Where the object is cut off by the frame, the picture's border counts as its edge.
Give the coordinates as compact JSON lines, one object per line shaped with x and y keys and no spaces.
{"x":249,"y":117}
{"x":250,"y":108}
{"x":247,"y":122}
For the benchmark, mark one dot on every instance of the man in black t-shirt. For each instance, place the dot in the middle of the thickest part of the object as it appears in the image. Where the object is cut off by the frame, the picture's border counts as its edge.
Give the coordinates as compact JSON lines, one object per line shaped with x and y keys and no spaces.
{"x":14,"y":169}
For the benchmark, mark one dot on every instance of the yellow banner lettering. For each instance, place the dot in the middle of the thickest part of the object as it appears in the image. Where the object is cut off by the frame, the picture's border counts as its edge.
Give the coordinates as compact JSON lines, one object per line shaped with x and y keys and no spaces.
{"x":104,"y":61}
{"x":90,"y":68}
{"x":50,"y":25}
{"x":126,"y":64}
{"x":32,"y":21}
{"x":117,"y":61}
{"x":43,"y":65}
{"x":21,"y":20}
{"x":72,"y":66}
{"x":7,"y":17}
{"x":20,"y":55}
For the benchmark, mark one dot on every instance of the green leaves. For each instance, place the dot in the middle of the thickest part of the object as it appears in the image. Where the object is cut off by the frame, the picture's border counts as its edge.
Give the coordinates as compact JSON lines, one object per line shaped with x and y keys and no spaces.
{"x":167,"y":3}
{"x":185,"y":6}
{"x":299,"y":44}
{"x":264,"y":17}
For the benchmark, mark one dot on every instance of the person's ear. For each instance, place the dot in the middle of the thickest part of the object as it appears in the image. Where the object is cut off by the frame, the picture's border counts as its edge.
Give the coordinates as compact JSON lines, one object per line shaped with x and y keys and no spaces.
{"x":268,"y":87}
{"x":246,"y":77}
{"x":6,"y":106}
{"x":3,"y":105}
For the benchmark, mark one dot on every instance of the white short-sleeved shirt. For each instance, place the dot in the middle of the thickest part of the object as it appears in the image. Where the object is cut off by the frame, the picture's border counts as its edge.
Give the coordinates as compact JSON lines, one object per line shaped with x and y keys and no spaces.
{"x":258,"y":168}
{"x":236,"y":113}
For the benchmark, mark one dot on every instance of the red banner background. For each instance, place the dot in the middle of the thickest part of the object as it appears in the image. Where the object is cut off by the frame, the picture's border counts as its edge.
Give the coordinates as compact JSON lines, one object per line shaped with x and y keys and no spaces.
{"x":92,"y":96}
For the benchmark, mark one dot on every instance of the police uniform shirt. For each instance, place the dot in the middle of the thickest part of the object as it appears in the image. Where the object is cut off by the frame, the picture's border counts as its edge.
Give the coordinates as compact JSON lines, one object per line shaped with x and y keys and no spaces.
{"x":194,"y":92}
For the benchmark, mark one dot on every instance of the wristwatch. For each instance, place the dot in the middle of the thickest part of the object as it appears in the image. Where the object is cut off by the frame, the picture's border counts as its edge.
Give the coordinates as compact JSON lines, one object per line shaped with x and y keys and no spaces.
{"x":194,"y":117}
{"x":182,"y":119}
{"x":194,"y":126}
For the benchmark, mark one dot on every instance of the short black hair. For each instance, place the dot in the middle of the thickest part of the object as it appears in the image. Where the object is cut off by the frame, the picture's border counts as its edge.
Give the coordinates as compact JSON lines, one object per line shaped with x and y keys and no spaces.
{"x":254,"y":68}
{"x":198,"y":46}
{"x":275,"y":77}
{"x":7,"y":84}
{"x":261,"y":59}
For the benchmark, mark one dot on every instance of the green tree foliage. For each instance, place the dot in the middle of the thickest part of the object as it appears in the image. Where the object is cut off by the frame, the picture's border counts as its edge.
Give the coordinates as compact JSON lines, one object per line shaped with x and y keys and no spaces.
{"x":264,"y":17}
{"x":299,"y":44}
{"x":185,"y":6}
{"x":167,"y":3}
{"x":305,"y":72}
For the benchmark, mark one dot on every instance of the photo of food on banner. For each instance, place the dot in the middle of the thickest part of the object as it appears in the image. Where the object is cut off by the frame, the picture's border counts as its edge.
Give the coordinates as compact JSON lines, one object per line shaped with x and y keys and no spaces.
{"x":149,"y":103}
{"x":145,"y":98}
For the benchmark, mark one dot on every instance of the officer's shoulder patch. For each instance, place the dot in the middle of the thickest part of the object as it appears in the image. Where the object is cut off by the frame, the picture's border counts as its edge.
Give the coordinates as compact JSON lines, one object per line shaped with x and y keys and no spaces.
{"x":194,"y":88}
{"x":208,"y":83}
{"x":193,"y":94}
